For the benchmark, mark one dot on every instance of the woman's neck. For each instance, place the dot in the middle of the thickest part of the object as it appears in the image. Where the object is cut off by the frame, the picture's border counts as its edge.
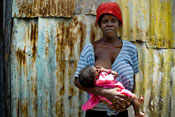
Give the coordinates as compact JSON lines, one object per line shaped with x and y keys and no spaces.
{"x":111,"y":40}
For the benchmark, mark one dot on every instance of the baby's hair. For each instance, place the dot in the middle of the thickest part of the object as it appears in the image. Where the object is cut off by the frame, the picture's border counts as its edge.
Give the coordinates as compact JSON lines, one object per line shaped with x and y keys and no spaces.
{"x":87,"y":76}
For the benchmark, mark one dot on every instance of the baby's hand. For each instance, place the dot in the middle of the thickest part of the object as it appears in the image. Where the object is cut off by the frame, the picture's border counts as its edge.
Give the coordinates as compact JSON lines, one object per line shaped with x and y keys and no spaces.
{"x":100,"y":68}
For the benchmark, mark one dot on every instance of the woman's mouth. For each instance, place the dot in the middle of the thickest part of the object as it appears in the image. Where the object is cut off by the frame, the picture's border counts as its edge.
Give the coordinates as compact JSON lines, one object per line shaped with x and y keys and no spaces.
{"x":109,"y":30}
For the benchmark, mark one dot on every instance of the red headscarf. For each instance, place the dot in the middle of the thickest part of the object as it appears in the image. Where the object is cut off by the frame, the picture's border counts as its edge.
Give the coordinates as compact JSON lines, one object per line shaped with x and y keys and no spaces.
{"x":109,"y":8}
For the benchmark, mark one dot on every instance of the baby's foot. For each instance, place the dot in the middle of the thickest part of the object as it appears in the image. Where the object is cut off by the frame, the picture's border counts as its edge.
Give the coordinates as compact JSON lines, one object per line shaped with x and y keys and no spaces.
{"x":141,"y":114}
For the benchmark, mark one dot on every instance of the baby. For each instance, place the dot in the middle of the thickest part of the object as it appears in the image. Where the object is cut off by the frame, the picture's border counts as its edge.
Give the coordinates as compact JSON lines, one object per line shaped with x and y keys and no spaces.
{"x":98,"y":76}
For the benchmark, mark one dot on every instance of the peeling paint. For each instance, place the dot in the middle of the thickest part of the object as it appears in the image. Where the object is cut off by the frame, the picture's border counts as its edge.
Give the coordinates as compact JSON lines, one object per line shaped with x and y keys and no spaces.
{"x":24,"y":108}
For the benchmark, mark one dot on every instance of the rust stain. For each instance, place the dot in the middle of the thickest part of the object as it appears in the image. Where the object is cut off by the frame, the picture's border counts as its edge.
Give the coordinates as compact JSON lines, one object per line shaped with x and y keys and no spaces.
{"x":60,"y":42}
{"x":93,"y":33}
{"x":46,"y":107}
{"x":60,"y":61}
{"x":41,"y":2}
{"x":72,"y":38}
{"x":24,"y":108}
{"x":69,"y":6}
{"x":47,"y":44}
{"x":34,"y":39}
{"x":62,"y":90}
{"x":62,"y":8}
{"x":26,"y":9}
{"x":34,"y":91}
{"x":45,"y":8}
{"x":59,"y":105}
{"x":66,"y":39}
{"x":59,"y":108}
{"x":53,"y":10}
{"x":80,"y":97}
{"x":81,"y":32}
{"x":17,"y":109}
{"x":21,"y":58}
{"x":61,"y":65}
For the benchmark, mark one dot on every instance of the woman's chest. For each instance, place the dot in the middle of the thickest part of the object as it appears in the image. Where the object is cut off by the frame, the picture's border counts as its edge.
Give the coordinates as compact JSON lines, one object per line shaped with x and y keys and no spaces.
{"x":106,"y":53}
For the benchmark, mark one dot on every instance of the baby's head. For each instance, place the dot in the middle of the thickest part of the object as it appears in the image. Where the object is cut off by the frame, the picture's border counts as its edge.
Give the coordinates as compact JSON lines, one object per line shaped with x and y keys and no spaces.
{"x":87,"y":76}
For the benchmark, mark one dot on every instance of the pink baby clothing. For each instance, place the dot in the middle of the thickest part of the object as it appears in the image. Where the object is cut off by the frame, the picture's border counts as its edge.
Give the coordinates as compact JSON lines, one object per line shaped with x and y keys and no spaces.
{"x":107,"y":81}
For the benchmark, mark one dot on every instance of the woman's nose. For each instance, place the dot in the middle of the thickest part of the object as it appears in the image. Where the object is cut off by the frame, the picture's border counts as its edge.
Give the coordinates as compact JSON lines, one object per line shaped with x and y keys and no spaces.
{"x":109,"y":23}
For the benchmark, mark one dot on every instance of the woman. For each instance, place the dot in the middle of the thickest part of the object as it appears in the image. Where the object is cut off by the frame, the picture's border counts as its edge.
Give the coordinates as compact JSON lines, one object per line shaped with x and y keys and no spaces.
{"x":111,"y":50}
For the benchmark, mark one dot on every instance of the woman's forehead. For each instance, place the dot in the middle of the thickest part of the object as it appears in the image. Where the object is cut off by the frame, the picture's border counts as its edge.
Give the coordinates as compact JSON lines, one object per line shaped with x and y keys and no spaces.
{"x":108,"y":16}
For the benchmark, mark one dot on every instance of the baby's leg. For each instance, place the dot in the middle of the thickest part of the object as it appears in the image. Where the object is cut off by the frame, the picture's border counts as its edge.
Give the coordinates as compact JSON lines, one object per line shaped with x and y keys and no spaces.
{"x":137,"y":101}
{"x":136,"y":105}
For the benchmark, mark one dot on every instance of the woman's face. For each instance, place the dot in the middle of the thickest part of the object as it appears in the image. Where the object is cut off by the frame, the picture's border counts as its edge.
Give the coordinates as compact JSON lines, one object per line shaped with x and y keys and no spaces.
{"x":109,"y":26}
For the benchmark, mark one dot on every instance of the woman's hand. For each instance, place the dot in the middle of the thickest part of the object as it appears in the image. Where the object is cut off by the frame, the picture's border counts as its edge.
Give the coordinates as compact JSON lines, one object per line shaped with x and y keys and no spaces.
{"x":119,"y":102}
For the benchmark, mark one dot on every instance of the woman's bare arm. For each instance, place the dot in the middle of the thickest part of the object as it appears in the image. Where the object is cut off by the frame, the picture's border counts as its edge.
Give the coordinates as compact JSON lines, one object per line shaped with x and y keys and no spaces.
{"x":111,"y":94}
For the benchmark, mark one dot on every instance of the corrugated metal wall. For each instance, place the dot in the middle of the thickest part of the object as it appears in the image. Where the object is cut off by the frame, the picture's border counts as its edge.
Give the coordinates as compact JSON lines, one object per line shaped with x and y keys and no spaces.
{"x":48,"y":36}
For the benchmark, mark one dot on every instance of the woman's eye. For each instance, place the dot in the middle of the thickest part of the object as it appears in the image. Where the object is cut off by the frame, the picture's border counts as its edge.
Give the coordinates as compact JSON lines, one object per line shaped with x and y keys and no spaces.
{"x":113,"y":21}
{"x":104,"y":21}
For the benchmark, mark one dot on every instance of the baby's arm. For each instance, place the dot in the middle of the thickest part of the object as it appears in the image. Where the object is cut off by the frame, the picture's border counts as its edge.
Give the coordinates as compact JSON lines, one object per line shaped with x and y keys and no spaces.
{"x":102,"y":69}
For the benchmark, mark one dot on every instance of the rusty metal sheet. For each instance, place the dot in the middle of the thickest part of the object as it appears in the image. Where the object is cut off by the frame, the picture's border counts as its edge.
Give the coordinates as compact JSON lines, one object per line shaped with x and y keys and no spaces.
{"x":23,"y":68}
{"x":88,"y":6}
{"x":44,"y":56}
{"x":138,"y":15}
{"x":43,"y":8}
{"x":59,"y":45}
{"x":135,"y":13}
{"x":45,"y":51}
{"x":155,"y":81}
{"x":135,"y":20}
{"x":162,"y":22}
{"x":43,"y":67}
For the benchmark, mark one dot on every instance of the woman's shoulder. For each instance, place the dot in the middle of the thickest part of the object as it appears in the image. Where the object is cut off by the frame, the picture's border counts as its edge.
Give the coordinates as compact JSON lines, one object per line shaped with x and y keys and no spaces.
{"x":87,"y":48}
{"x":129,"y":44}
{"x":88,"y":45}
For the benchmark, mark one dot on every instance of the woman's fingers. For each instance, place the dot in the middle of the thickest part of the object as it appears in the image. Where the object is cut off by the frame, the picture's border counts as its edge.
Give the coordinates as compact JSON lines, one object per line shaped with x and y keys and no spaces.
{"x":121,"y":102}
{"x":121,"y":99}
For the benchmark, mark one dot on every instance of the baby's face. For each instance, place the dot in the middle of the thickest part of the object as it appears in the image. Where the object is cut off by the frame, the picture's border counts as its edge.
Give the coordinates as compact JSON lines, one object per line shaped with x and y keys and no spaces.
{"x":96,"y":74}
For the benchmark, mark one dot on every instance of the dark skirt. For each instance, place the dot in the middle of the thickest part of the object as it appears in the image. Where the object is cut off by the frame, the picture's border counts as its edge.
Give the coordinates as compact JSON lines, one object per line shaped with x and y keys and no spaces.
{"x":93,"y":113}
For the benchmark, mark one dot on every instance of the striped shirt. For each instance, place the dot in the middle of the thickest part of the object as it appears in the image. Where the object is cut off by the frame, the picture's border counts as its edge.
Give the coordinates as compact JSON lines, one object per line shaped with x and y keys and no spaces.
{"x":126,"y":63}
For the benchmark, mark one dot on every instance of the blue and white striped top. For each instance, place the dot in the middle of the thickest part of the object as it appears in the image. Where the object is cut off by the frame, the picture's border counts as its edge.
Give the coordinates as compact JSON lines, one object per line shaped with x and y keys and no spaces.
{"x":126,"y":63}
